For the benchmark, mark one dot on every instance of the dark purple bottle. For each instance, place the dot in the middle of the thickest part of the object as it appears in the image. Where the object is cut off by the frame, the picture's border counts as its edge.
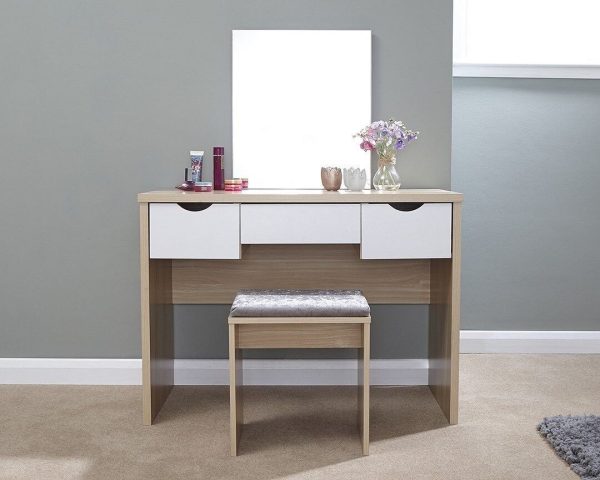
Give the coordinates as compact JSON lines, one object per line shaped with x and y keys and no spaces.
{"x":218,"y":168}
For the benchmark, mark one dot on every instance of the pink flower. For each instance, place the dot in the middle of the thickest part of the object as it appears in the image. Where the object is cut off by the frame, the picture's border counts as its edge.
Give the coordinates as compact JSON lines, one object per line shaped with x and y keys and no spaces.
{"x":366,"y":146}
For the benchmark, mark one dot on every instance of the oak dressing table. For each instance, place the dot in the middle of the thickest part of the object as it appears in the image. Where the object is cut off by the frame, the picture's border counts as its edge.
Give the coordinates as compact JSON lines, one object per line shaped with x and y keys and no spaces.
{"x":399,"y":247}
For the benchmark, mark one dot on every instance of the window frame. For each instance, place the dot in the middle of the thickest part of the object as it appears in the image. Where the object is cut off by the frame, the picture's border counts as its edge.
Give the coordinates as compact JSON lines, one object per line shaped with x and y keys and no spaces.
{"x":507,"y":70}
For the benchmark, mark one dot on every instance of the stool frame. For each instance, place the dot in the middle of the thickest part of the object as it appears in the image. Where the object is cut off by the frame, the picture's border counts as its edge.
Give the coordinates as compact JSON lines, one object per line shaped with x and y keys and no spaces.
{"x":297,"y":332}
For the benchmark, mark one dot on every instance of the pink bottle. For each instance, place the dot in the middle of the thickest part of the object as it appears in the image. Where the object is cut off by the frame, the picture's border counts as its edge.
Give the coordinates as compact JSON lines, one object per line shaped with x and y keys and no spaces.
{"x":218,"y":168}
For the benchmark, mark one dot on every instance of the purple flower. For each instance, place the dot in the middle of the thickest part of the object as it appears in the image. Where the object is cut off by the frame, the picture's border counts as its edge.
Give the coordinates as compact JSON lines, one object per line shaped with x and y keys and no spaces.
{"x":385,"y":136}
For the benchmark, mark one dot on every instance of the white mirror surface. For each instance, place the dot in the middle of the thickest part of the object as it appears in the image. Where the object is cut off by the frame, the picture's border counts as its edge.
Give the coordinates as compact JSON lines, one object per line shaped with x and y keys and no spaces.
{"x":298,"y":97}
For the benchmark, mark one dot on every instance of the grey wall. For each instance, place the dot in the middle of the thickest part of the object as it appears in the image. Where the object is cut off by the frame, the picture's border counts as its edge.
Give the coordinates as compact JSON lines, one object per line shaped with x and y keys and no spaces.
{"x":102,"y":99}
{"x":526,"y":154}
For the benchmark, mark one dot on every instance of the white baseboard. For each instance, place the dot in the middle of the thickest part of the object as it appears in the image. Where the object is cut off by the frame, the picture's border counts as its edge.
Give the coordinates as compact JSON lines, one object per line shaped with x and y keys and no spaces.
{"x":79,"y":371}
{"x":71,"y":371}
{"x":111,"y":371}
{"x":491,"y":341}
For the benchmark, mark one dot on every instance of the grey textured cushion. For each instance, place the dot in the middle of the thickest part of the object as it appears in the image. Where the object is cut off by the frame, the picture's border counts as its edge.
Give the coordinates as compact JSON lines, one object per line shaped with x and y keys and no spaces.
{"x":300,"y":303}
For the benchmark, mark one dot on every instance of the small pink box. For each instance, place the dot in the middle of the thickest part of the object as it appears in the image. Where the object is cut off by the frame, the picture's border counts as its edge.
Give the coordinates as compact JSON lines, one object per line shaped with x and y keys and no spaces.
{"x":203,"y":187}
{"x":233,"y":185}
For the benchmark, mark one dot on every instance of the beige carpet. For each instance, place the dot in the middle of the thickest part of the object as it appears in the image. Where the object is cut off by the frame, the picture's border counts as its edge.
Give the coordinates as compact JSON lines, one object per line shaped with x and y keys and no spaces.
{"x":84,"y":433}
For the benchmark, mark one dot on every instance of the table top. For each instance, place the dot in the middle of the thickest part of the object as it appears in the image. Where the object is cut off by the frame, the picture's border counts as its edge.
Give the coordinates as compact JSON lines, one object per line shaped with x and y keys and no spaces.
{"x":301,"y":196}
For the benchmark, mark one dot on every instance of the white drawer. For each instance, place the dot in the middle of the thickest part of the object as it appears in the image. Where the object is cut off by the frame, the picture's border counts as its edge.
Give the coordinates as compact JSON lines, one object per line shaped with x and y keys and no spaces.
{"x":300,"y":223}
{"x":425,"y":232}
{"x":213,"y":232}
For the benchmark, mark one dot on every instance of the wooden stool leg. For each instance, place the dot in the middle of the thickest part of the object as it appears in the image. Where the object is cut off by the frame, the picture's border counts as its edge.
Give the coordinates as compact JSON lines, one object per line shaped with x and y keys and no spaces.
{"x":364,"y":388}
{"x":236,"y":416}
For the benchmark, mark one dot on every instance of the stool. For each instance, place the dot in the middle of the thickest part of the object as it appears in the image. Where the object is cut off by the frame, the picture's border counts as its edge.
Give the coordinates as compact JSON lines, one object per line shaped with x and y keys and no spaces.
{"x":298,"y":319}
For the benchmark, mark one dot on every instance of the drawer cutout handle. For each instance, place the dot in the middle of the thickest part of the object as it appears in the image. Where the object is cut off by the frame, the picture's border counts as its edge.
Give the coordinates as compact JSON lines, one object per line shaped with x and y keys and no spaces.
{"x":194,"y":207}
{"x":406,"y":206}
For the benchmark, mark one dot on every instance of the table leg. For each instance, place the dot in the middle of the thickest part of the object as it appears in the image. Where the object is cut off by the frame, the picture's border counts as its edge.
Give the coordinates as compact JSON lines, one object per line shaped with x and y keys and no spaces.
{"x":364,"y":388}
{"x":236,"y":413}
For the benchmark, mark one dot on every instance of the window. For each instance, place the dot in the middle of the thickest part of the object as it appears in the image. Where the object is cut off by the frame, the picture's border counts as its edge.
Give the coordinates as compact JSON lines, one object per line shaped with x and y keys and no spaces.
{"x":527,"y":38}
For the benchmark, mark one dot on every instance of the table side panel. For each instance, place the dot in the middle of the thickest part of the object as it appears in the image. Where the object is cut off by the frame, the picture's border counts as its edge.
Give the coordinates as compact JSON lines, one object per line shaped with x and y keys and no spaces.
{"x":444,"y":325}
{"x":156,"y":326}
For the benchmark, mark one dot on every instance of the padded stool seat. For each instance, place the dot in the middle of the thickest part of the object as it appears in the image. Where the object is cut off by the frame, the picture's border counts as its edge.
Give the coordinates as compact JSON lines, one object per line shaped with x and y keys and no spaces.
{"x":300,"y":303}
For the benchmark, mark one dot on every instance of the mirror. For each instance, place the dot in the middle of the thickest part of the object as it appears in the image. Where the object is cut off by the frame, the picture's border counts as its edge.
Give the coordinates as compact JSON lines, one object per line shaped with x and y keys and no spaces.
{"x":298,"y":97}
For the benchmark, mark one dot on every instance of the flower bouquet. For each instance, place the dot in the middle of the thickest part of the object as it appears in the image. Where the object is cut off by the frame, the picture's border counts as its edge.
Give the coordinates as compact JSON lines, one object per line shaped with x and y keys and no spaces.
{"x":386,"y":138}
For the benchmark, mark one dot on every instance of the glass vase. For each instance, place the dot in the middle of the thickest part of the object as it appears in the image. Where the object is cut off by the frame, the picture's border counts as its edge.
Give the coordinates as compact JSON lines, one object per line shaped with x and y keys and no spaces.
{"x":386,"y":177}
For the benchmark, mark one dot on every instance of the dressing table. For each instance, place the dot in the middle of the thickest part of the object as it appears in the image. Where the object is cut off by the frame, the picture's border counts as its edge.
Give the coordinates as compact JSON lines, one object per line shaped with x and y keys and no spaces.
{"x":400,"y":247}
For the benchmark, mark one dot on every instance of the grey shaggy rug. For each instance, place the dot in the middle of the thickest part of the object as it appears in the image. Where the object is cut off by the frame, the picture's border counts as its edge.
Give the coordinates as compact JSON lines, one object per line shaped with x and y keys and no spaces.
{"x":577,"y":441}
